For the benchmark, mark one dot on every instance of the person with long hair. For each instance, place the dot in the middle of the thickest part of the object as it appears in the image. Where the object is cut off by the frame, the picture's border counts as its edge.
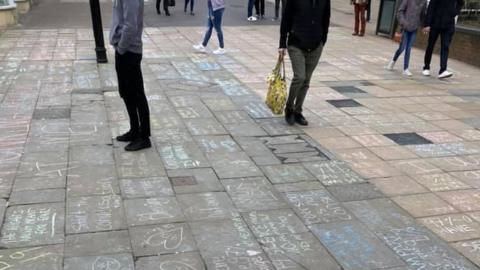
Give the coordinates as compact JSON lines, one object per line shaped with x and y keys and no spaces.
{"x":216,"y":8}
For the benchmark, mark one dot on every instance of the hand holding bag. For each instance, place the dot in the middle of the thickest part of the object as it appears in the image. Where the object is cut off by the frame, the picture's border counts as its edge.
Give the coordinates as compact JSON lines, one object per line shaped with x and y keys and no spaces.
{"x":277,"y":87}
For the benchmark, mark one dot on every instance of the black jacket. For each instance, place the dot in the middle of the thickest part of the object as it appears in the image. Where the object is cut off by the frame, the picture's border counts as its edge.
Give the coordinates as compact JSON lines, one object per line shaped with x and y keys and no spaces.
{"x":441,"y":13}
{"x":305,"y":23}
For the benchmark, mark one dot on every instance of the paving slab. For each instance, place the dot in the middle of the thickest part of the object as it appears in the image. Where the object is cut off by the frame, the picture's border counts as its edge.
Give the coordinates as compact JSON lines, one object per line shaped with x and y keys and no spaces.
{"x":194,"y":181}
{"x":421,"y":205}
{"x":274,"y":222}
{"x":95,"y":244}
{"x":182,"y":156}
{"x":287,"y":173}
{"x":453,"y":227}
{"x":233,"y":165}
{"x":355,"y":192}
{"x":147,"y":187}
{"x":317,"y":206}
{"x":161,"y":239}
{"x":249,"y":194}
{"x":354,"y":246}
{"x":33,"y":258}
{"x":229,"y":244}
{"x":298,"y":251}
{"x":187,"y":260}
{"x":95,"y":214}
{"x":115,"y":261}
{"x":202,"y":206}
{"x":333,"y":173}
{"x":146,"y":211}
{"x":143,"y":164}
{"x":33,"y":225}
{"x":36,"y":197}
{"x":217,"y":144}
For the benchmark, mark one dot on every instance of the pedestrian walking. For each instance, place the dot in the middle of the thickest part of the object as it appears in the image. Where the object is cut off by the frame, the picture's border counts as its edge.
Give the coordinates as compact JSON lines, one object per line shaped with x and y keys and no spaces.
{"x":216,"y":8}
{"x":192,"y":4}
{"x":260,"y":8}
{"x":360,"y":6}
{"x":409,"y":16}
{"x":277,"y":8}
{"x":126,"y":37}
{"x":303,"y":30}
{"x":165,"y":7}
{"x":440,"y":21}
{"x":252,"y":4}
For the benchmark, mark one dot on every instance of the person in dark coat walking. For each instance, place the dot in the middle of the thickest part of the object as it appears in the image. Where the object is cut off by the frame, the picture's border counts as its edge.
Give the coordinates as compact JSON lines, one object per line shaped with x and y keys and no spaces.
{"x":440,"y":21}
{"x":165,"y":7}
{"x":277,"y":8}
{"x":303,"y":31}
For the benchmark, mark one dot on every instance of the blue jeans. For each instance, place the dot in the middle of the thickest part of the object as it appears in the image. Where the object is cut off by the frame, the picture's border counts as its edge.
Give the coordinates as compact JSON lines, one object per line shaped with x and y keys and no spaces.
{"x":214,"y":21}
{"x":406,"y":44}
{"x":251,"y":4}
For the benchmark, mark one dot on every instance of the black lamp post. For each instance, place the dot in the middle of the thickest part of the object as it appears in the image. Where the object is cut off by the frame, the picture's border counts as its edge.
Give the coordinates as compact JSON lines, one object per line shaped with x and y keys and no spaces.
{"x":98,"y":31}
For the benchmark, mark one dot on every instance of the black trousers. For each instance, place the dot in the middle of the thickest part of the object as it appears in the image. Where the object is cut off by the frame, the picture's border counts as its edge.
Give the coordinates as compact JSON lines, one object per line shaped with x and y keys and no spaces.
{"x":130,"y":86}
{"x":446,"y":36}
{"x":260,"y":7}
{"x":165,"y":6}
{"x":277,"y":7}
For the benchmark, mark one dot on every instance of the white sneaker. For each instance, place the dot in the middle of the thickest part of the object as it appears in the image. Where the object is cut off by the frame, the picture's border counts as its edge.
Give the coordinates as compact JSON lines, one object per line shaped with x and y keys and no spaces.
{"x":407,"y":73}
{"x":252,"y":19}
{"x":390,"y":65}
{"x":445,"y":74}
{"x":426,"y":72}
{"x":219,"y":51}
{"x":200,"y":48}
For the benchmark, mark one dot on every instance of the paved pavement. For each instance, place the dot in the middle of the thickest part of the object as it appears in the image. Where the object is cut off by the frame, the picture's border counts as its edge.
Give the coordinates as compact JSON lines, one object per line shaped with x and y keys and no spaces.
{"x":387,"y":175}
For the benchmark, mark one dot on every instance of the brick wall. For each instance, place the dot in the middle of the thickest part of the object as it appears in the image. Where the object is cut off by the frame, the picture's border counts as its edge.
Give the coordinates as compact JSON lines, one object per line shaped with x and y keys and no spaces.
{"x":465,"y":46}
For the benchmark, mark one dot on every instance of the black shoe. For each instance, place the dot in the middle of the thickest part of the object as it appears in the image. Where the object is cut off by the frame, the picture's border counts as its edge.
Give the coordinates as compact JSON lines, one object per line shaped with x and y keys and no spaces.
{"x":299,"y":119}
{"x":289,"y":117}
{"x":127,"y":137}
{"x":192,"y":14}
{"x":167,"y":13}
{"x":158,"y":12}
{"x":138,"y":144}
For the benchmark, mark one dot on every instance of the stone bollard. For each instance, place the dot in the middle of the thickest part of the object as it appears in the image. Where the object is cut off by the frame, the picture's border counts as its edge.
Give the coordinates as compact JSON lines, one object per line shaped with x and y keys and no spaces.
{"x":8,"y":13}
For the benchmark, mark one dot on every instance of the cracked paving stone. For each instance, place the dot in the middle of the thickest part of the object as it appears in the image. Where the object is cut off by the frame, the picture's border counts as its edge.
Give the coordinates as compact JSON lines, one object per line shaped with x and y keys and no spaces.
{"x":298,"y":251}
{"x":229,"y":244}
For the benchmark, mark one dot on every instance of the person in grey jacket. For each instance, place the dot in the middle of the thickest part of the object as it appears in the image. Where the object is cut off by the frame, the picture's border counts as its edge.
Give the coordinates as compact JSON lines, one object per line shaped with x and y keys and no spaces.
{"x":216,"y":8}
{"x":409,"y":17}
{"x":126,"y":38}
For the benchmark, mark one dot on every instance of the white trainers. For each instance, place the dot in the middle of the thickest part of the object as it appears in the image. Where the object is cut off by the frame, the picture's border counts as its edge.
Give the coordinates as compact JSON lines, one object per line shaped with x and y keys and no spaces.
{"x":219,"y":51}
{"x":200,"y":48}
{"x":252,"y":19}
{"x":390,"y":65}
{"x":407,"y":73}
{"x":445,"y":74}
{"x":426,"y":72}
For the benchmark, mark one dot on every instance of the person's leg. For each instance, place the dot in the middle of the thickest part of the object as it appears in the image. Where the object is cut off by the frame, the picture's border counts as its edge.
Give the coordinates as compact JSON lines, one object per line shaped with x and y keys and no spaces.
{"x":262,"y":7}
{"x":192,"y":5}
{"x":141,"y":102}
{"x":362,"y":19}
{"x":123,"y":65}
{"x":257,"y":7}
{"x":357,"y":18}
{"x":217,"y":23}
{"x":250,"y":8}
{"x":432,"y":39}
{"x":446,"y":39}
{"x":408,"y":48}
{"x":165,"y":7}
{"x":158,"y":6}
{"x":311,"y":62}
{"x":401,"y":47}
{"x":297,"y":57}
{"x":208,"y":33}
{"x":186,"y":5}
{"x":277,"y":9}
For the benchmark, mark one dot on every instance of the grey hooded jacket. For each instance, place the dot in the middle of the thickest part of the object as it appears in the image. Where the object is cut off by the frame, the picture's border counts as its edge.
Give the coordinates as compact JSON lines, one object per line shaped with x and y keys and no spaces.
{"x":127,"y":26}
{"x":409,"y":14}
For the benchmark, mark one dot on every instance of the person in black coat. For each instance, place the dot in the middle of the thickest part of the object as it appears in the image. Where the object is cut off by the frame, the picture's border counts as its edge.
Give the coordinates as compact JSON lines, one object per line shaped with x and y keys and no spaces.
{"x":303,"y":30}
{"x":165,"y":7}
{"x":440,"y":21}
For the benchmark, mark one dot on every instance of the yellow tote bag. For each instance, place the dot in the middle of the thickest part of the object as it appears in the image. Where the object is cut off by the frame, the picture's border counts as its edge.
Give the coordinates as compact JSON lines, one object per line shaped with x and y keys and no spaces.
{"x":277,"y":88}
